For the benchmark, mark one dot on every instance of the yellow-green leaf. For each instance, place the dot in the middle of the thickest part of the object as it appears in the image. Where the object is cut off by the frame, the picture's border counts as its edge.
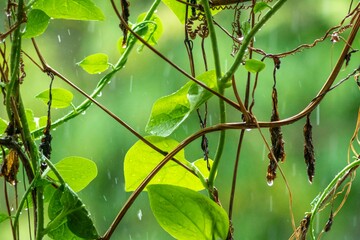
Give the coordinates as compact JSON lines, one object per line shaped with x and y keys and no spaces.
{"x":254,"y":66}
{"x":95,"y":63}
{"x":37,"y":22}
{"x":61,"y":98}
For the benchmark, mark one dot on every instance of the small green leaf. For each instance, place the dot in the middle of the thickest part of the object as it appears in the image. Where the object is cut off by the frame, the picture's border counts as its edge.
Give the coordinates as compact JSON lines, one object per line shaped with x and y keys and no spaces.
{"x":95,"y":63}
{"x":67,"y":211}
{"x":259,"y":6}
{"x":61,"y":98}
{"x":3,"y":217}
{"x":254,"y":66}
{"x":152,"y":29}
{"x":245,"y":27}
{"x":3,"y":126}
{"x":170,"y":111}
{"x":140,"y":160}
{"x":121,"y":48}
{"x":30,"y":119}
{"x":37,"y":22}
{"x":78,"y":172}
{"x":70,"y":9}
{"x":186,"y":214}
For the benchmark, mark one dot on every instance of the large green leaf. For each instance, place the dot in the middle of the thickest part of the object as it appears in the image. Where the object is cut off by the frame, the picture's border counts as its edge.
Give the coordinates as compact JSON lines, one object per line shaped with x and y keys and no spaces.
{"x":95,"y":63}
{"x":61,"y":98}
{"x":78,"y":172}
{"x":186,"y":214}
{"x":37,"y":22}
{"x":140,"y":160}
{"x":170,"y":111}
{"x":70,"y":9}
{"x":67,"y":212}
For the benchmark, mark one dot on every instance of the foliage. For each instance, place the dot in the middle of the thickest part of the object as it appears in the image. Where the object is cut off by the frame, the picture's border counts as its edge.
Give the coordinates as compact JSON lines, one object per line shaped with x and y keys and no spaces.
{"x":157,"y":163}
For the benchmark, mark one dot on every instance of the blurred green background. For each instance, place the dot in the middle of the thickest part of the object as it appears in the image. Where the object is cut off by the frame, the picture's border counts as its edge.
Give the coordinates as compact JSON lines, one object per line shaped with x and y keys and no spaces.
{"x":260,"y":211}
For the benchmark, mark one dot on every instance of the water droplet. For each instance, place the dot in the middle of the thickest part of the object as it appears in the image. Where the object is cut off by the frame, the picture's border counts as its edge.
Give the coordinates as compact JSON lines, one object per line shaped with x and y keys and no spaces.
{"x":270,"y":182}
{"x":99,"y":94}
{"x":59,"y":38}
{"x":12,"y":209}
{"x":248,"y":129}
{"x":83,"y":113}
{"x":139,"y":214}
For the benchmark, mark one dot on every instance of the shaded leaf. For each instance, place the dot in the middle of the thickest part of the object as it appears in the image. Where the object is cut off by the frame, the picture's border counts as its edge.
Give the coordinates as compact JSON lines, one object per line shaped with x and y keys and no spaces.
{"x":186,"y":214}
{"x":37,"y":23}
{"x":70,"y":9}
{"x":78,"y":172}
{"x":3,"y":217}
{"x":254,"y":66}
{"x":140,"y":160}
{"x":170,"y":111}
{"x":152,"y":29}
{"x":61,"y":98}
{"x":95,"y":63}
{"x":259,"y":6}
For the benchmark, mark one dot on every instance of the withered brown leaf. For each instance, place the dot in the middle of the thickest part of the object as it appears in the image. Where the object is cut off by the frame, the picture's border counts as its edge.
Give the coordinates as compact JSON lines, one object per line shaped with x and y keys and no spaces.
{"x":10,"y":167}
{"x":309,"y":150}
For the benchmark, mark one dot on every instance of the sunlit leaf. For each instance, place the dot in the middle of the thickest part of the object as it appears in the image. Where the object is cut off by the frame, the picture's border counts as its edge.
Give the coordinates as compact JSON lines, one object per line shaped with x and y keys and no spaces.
{"x":78,"y":172}
{"x":67,"y":211}
{"x":95,"y":63}
{"x":61,"y":98}
{"x":70,"y":9}
{"x":140,"y":160}
{"x":186,"y":214}
{"x":30,"y":119}
{"x":259,"y":6}
{"x":254,"y":66}
{"x":152,"y":29}
{"x":121,"y":48}
{"x":170,"y":111}
{"x":37,"y":22}
{"x":3,"y":126}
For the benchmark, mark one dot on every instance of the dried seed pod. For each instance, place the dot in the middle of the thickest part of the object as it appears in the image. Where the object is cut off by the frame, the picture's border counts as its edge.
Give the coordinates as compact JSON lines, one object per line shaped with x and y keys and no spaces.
{"x":309,"y":150}
{"x":277,"y":142}
{"x":10,"y":167}
{"x":125,"y":14}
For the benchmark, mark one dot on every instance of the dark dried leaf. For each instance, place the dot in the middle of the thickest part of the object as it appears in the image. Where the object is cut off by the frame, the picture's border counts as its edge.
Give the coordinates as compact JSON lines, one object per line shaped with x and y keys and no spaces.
{"x":329,"y":222}
{"x":304,"y":226}
{"x":10,"y":167}
{"x":309,"y":150}
{"x":125,"y":14}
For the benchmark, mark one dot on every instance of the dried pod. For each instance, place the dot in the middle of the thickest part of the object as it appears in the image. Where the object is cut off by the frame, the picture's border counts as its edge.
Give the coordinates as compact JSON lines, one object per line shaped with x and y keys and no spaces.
{"x":125,"y":14}
{"x":304,"y":226}
{"x":329,"y":222}
{"x":277,"y":142}
{"x":10,"y":167}
{"x":309,"y":150}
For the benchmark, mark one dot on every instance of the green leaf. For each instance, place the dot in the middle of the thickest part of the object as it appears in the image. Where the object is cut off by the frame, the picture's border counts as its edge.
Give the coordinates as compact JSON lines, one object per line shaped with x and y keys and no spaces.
{"x":186,"y":214}
{"x":179,"y":9}
{"x":151,"y":30}
{"x":3,"y":126}
{"x":61,"y":98}
{"x":259,"y":6}
{"x":121,"y":48}
{"x":30,"y":119}
{"x":254,"y":66}
{"x":140,"y":160}
{"x":37,"y":22}
{"x":70,"y":9}
{"x":3,"y":217}
{"x":170,"y":111}
{"x":95,"y":63}
{"x":67,"y":211}
{"x":78,"y":172}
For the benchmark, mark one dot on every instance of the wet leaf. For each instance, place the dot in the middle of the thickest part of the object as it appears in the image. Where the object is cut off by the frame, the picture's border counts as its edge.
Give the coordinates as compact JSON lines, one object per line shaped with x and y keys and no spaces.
{"x":70,"y":9}
{"x":3,"y":217}
{"x":95,"y":63}
{"x":170,"y":111}
{"x":152,"y":29}
{"x":254,"y":66}
{"x":30,"y":119}
{"x":78,"y":172}
{"x":67,"y":212}
{"x":186,"y":214}
{"x":37,"y":23}
{"x":140,"y":160}
{"x":309,"y":154}
{"x":61,"y":98}
{"x":259,"y":6}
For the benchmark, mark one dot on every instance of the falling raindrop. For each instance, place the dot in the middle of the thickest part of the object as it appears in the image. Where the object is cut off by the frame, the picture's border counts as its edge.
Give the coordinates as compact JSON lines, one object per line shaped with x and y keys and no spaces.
{"x":318,"y":115}
{"x":105,"y":198}
{"x":355,"y":221}
{"x":270,"y":182}
{"x":294,"y":169}
{"x":68,"y":32}
{"x":271,"y":203}
{"x":131,"y":83}
{"x":116,"y":180}
{"x":109,"y":174}
{"x":59,"y":38}
{"x":139,"y":214}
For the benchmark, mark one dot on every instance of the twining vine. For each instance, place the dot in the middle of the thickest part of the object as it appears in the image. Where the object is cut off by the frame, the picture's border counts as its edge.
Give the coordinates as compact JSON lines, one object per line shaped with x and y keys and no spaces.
{"x":67,"y":215}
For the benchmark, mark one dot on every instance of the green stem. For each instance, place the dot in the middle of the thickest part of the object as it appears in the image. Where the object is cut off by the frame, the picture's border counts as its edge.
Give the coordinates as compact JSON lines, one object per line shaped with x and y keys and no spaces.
{"x":239,"y":58}
{"x":327,"y":190}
